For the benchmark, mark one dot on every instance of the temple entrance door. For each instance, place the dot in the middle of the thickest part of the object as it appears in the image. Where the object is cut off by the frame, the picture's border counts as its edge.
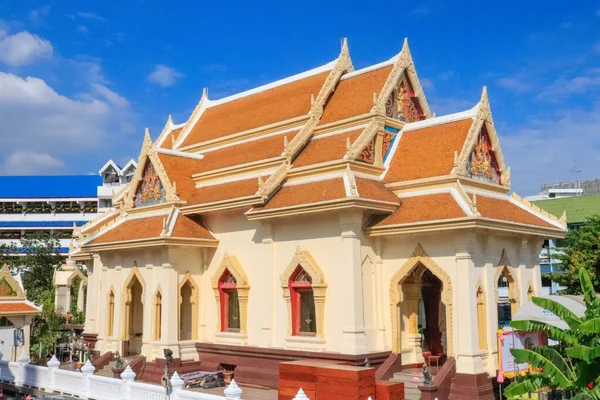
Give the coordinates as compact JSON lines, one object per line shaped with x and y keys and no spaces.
{"x":136,"y":319}
{"x":423,"y":316}
{"x":431,"y":293}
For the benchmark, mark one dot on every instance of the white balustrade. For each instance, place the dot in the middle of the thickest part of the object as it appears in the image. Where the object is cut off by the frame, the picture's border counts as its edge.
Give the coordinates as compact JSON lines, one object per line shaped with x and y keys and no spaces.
{"x":86,"y":385}
{"x":301,"y":395}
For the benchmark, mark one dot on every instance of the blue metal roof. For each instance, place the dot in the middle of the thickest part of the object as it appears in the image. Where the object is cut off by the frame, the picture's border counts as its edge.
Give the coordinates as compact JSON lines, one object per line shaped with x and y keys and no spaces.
{"x":37,"y":224}
{"x":50,"y":186}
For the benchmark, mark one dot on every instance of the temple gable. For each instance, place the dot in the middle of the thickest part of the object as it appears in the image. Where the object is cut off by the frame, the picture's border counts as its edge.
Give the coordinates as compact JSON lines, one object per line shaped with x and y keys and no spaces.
{"x":150,"y":189}
{"x":482,"y":163}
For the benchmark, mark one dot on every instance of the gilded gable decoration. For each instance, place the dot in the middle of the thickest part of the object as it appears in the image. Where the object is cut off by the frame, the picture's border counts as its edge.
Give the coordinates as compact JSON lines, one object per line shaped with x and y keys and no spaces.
{"x":481,"y":157}
{"x":482,"y":161}
{"x":368,"y":153}
{"x":150,"y":184}
{"x":150,"y":190}
{"x":388,"y":138}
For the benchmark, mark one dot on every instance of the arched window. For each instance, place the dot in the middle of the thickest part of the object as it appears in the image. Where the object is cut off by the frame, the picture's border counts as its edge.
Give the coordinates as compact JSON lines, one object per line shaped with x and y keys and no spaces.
{"x":481,"y":319}
{"x":230,"y":303}
{"x":110,"y":316}
{"x":304,"y":320}
{"x":188,"y":308}
{"x":157,"y":316}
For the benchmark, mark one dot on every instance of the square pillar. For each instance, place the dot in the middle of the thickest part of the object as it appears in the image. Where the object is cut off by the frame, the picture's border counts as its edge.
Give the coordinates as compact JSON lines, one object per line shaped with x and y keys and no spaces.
{"x":348,"y":279}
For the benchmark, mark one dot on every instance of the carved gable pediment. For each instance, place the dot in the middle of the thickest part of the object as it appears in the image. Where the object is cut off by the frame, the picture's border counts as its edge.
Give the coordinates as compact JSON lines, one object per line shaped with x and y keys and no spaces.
{"x":482,"y":163}
{"x":150,"y":189}
{"x":9,"y":287}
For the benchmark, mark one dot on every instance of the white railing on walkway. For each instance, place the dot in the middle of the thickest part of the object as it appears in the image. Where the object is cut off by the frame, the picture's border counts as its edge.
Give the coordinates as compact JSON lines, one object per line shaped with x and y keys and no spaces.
{"x":302,"y":396}
{"x":86,"y":385}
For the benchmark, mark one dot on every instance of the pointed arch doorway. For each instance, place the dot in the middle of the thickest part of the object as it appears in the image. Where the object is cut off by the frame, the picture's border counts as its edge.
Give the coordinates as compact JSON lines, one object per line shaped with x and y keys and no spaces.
{"x":421,"y":309}
{"x":133,"y":327}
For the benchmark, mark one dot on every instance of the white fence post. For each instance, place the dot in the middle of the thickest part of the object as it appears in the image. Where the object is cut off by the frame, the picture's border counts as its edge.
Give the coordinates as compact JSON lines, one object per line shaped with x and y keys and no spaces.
{"x":23,"y":360}
{"x":233,"y":391}
{"x":87,"y":370}
{"x":177,"y":385}
{"x":300,"y":395}
{"x":128,"y":376}
{"x":53,"y":365}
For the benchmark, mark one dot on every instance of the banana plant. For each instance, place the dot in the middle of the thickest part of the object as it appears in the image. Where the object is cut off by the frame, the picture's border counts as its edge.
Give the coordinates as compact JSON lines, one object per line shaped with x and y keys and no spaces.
{"x":572,"y":365}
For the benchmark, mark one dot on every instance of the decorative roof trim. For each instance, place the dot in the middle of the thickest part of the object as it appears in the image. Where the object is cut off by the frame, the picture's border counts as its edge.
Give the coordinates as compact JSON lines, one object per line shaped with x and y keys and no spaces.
{"x":338,"y":132}
{"x":342,"y":64}
{"x":370,"y":68}
{"x":237,"y":178}
{"x":540,"y":213}
{"x":156,"y":241}
{"x":445,"y":119}
{"x":179,"y":153}
{"x":191,"y":122}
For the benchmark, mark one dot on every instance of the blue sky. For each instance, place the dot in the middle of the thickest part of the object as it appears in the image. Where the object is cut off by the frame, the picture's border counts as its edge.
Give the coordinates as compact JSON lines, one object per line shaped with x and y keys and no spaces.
{"x":79,"y":80}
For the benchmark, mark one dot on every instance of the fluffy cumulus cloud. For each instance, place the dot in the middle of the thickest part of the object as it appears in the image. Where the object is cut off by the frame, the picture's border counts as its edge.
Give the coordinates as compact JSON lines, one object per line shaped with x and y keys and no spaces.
{"x":547,"y":150}
{"x":26,"y":162}
{"x":42,"y":128}
{"x":164,"y":75}
{"x":23,"y":48}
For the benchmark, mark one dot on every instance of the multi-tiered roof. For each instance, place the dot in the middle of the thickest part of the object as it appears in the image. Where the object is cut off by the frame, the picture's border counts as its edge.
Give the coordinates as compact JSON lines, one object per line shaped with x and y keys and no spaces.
{"x":327,"y":139}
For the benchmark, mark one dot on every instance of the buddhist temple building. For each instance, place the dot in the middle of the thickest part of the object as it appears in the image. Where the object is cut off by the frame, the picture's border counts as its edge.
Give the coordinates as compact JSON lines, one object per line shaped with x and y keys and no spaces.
{"x":326,"y":215}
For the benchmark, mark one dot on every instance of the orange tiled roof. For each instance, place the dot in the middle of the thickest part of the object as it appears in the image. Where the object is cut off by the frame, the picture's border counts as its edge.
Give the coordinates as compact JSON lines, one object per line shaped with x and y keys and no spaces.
{"x":6,"y":308}
{"x":354,"y":96}
{"x":326,"y":149}
{"x":133,"y":229}
{"x":225,"y":191}
{"x":375,"y":190}
{"x":307,"y":193}
{"x":190,"y":228}
{"x":505,"y":210}
{"x":242,"y":153}
{"x":270,"y":106}
{"x":432,"y":207}
{"x":428,"y":152}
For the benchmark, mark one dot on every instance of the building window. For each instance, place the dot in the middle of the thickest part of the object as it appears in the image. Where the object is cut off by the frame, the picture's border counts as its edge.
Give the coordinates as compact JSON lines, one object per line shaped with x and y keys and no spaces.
{"x":230,"y":303}
{"x":4,"y":322}
{"x":304,"y":321}
{"x":110,"y":317}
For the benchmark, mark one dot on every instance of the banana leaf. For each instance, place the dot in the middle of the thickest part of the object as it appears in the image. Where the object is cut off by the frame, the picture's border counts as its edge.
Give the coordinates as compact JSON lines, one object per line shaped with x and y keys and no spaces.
{"x":538,"y":360}
{"x":584,"y":353}
{"x":552,"y":331}
{"x":529,"y":384}
{"x":582,"y":396}
{"x":559,"y":310}
{"x":591,"y":326}
{"x":555,"y":358}
{"x":589,"y":294}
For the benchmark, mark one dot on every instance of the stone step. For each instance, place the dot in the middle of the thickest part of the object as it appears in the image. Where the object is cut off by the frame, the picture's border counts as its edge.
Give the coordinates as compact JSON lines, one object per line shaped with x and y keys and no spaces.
{"x":411,"y":384}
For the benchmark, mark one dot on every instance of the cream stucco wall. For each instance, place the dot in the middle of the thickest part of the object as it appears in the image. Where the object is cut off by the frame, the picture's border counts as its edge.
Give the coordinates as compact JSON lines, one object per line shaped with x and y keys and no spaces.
{"x":358,"y":272}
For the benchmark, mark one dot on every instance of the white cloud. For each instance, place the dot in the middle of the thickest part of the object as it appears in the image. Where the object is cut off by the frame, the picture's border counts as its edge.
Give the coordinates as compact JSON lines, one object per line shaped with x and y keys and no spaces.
{"x":23,"y":48}
{"x":28,"y":162}
{"x":515,"y":83}
{"x":427,"y":84}
{"x":38,"y":119}
{"x":164,"y":75}
{"x":110,"y":96}
{"x":546,"y":150}
{"x":561,"y":88}
{"x":39,"y":14}
{"x":91,"y":15}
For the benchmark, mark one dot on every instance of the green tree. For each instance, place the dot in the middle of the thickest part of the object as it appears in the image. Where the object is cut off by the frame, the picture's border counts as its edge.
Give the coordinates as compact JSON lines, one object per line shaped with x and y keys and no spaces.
{"x":42,"y":258}
{"x":572,"y":365}
{"x":582,"y":250}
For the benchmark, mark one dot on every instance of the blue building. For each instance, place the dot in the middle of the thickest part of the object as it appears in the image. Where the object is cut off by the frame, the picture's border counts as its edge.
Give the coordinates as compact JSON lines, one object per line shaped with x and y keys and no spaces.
{"x":56,"y":204}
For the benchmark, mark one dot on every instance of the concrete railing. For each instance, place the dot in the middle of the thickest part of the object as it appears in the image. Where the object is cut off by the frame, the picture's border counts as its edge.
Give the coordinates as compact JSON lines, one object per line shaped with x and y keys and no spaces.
{"x":302,"y":396}
{"x":86,"y":385}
